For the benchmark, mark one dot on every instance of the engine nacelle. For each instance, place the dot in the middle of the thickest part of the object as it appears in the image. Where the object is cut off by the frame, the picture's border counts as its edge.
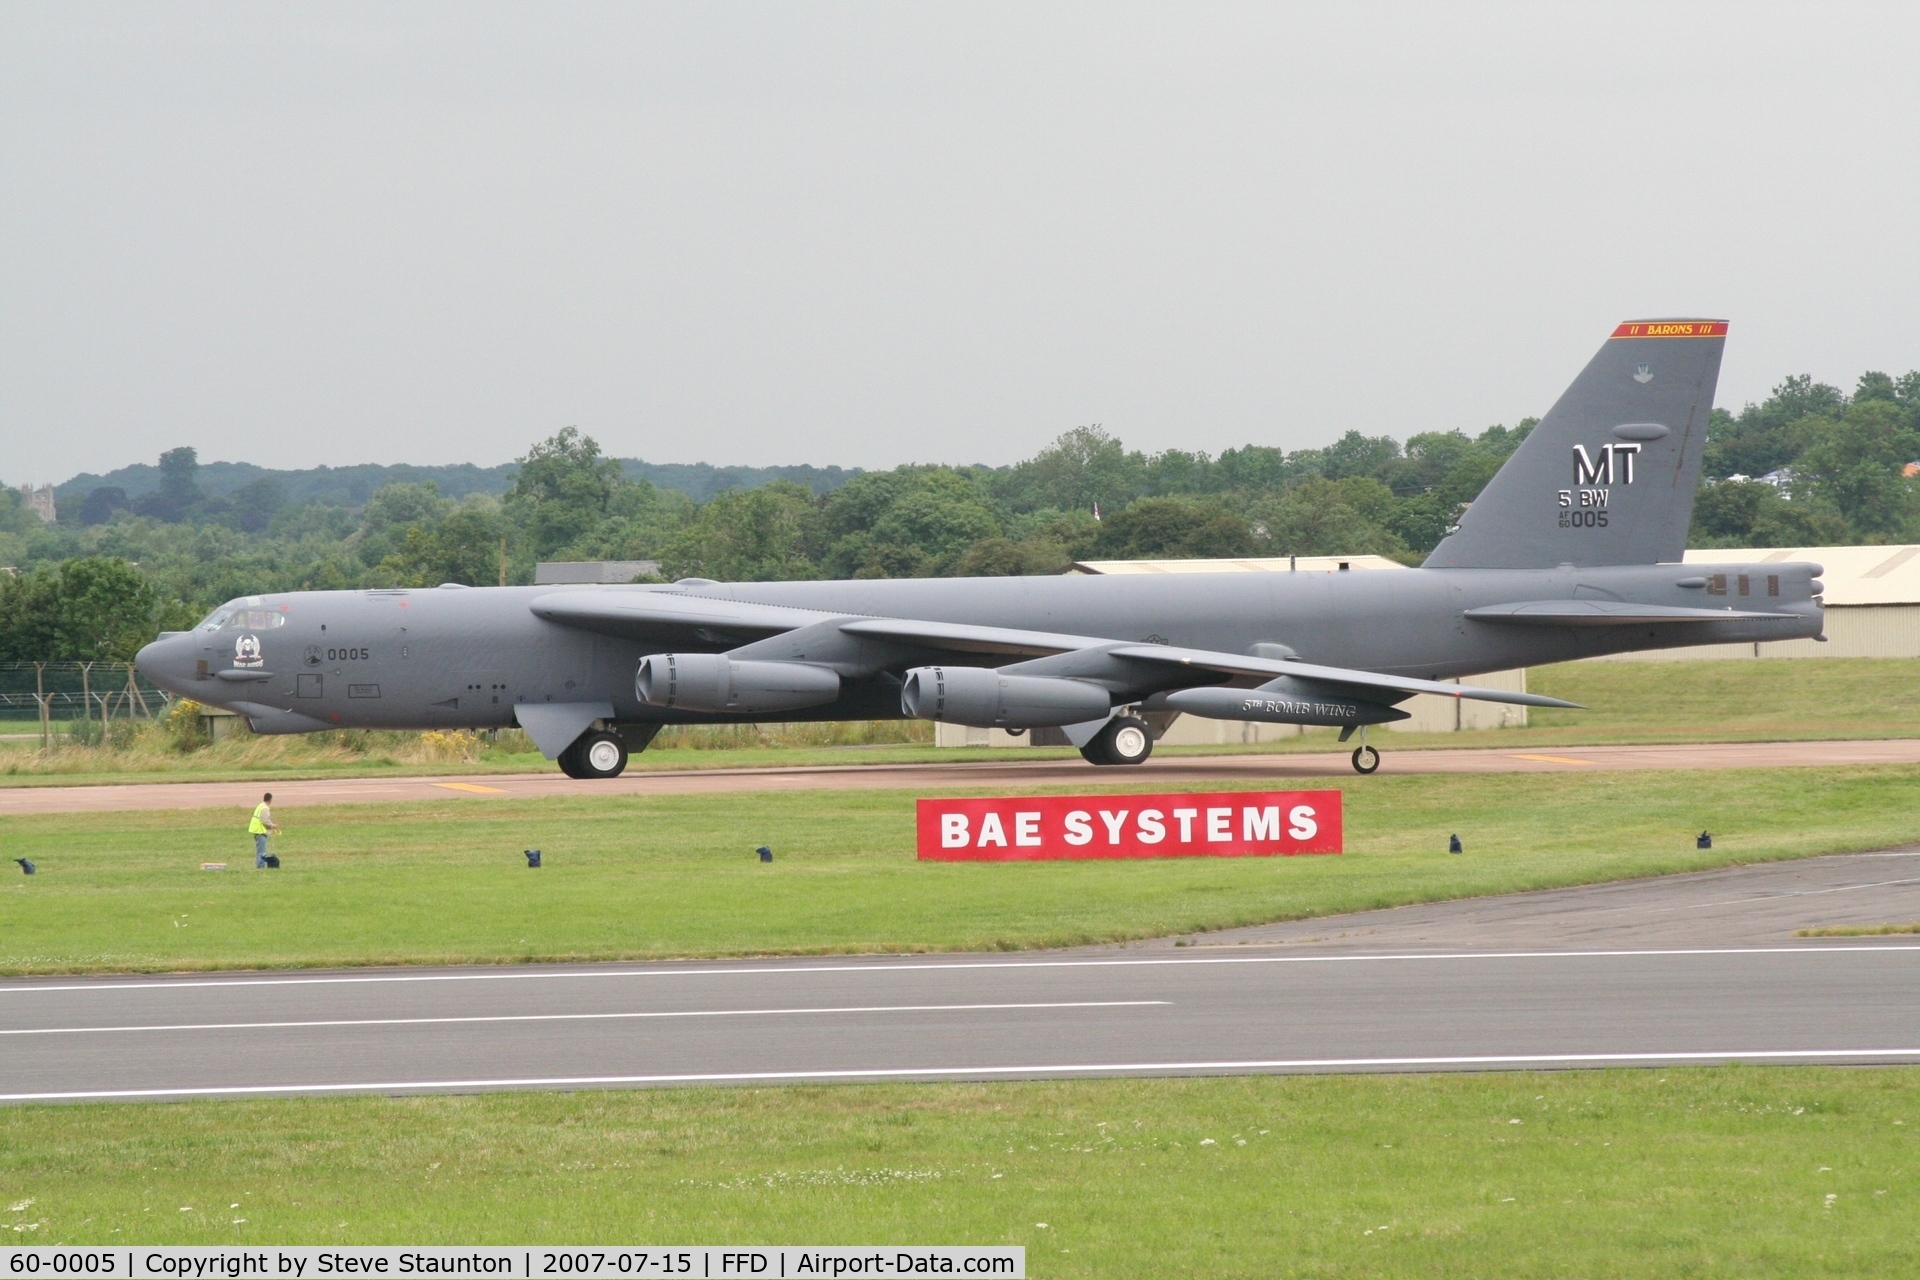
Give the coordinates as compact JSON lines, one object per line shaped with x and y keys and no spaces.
{"x":716,"y":683}
{"x":984,"y":698}
{"x":1284,"y":701}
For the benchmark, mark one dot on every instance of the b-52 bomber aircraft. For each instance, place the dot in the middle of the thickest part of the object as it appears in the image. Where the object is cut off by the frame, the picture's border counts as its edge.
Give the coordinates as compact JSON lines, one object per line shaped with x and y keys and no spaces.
{"x":1572,"y":550}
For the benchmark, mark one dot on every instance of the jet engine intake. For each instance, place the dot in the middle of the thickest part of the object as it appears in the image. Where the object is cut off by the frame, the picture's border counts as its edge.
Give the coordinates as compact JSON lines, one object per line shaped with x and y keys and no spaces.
{"x":716,"y":683}
{"x":1284,"y":701}
{"x":982,"y":697}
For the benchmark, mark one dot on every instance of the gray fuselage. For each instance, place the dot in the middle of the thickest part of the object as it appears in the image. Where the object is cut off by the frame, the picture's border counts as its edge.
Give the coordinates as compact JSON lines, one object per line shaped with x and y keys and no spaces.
{"x":455,"y":657}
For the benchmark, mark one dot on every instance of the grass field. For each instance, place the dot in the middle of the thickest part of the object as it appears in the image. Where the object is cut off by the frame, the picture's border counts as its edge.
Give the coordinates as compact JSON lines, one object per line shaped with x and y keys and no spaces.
{"x":1728,"y":701}
{"x":1730,"y":1172}
{"x":1859,"y":930}
{"x":638,"y":877}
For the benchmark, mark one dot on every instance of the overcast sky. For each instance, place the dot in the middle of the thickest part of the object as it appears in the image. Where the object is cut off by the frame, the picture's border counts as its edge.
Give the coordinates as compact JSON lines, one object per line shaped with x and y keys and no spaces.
{"x":868,"y":234}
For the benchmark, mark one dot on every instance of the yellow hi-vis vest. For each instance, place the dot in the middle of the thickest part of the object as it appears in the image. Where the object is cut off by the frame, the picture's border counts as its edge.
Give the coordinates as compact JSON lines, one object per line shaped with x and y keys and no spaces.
{"x":258,"y":826}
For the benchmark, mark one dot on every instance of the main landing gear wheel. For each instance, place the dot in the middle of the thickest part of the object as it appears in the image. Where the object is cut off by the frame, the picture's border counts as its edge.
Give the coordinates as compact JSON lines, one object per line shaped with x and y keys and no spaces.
{"x":597,"y":754}
{"x":1365,"y":759}
{"x":1125,"y":740}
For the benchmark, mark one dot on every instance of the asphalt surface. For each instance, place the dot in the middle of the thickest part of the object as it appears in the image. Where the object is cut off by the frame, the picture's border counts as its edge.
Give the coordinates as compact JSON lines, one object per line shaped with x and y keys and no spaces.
{"x":1004,"y":769}
{"x":1754,"y":906}
{"x":1689,"y":969}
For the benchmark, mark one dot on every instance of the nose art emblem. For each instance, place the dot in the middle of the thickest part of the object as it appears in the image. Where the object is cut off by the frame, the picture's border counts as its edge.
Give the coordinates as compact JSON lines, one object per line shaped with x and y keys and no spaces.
{"x":1643,"y":374}
{"x":246,"y":651}
{"x":313,"y":655}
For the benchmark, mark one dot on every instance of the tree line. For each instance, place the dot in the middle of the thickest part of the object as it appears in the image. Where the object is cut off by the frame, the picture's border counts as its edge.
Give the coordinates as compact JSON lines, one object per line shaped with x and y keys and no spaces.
{"x":245,"y":495}
{"x":1810,"y":465}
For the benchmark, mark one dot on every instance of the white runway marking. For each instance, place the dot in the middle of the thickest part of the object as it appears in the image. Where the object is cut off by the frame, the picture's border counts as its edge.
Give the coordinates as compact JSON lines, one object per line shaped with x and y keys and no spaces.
{"x":1050,"y":1069}
{"x":169,"y":984}
{"x":581,"y":1017}
{"x":1786,"y":893}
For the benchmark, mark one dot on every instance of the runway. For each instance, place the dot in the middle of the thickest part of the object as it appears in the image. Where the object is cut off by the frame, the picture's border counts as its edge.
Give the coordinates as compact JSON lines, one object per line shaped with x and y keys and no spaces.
{"x":1003,"y":770}
{"x":1349,"y":994}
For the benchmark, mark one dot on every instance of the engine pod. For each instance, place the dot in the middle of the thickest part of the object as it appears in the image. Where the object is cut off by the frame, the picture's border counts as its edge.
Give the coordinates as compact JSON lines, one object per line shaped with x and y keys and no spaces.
{"x":713,"y":682}
{"x":984,"y":698}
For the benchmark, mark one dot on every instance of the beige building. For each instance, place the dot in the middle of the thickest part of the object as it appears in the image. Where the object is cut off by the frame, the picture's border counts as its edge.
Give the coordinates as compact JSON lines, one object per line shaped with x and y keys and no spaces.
{"x":554,"y":573}
{"x":38,"y":500}
{"x":1430,"y":713}
{"x":1872,"y":597}
{"x":1256,"y":564}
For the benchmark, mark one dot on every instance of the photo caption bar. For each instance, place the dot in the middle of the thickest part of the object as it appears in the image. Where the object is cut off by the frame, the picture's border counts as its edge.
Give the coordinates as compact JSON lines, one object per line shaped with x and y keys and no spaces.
{"x":509,"y":1262}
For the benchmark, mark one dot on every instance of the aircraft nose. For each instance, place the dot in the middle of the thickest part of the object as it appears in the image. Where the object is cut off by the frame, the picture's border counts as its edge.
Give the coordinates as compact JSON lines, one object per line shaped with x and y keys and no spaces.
{"x":168,"y":661}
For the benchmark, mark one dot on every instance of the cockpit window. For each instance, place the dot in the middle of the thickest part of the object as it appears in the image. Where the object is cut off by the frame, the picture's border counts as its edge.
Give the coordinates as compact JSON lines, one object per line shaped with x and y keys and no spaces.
{"x":235,"y":616}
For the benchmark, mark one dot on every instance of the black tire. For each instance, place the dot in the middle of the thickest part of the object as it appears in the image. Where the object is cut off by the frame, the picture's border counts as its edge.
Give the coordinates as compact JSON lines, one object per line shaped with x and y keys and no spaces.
{"x":1365,"y":760}
{"x":569,"y":762}
{"x":1124,"y":740}
{"x":598,"y":754}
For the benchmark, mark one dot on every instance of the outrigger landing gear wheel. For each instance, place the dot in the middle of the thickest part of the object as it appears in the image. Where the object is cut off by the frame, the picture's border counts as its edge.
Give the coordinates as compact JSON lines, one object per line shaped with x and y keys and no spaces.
{"x":1365,"y":758}
{"x":1125,"y":740}
{"x":596,"y":754}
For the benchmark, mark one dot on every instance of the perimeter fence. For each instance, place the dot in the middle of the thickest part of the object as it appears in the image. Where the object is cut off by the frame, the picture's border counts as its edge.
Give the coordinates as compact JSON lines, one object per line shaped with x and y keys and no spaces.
{"x":41,"y":692}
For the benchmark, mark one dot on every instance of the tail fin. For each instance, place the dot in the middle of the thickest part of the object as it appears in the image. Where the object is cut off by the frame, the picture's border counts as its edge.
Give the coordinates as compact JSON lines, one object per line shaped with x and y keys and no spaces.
{"x":1608,"y":476}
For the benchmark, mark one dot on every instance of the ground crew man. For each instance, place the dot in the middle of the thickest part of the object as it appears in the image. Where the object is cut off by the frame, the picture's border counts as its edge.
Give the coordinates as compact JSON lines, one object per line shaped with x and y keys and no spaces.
{"x":261,"y":826}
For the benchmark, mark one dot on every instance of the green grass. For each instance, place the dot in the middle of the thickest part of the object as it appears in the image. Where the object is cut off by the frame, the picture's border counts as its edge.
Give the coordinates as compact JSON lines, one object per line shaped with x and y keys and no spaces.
{"x":198,"y":768}
{"x":174,"y":749}
{"x":1858,"y":930}
{"x":376,"y":765}
{"x":639,"y":877}
{"x":1736,"y":700}
{"x":1734,"y":1172}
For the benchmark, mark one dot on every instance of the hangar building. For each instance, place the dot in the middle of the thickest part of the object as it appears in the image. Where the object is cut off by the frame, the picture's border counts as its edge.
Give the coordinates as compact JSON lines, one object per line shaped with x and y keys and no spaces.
{"x":1872,"y":599}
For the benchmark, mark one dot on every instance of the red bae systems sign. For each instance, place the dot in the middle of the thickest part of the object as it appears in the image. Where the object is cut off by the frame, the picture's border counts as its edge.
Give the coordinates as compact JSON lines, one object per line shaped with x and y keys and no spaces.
{"x":1227,"y":824}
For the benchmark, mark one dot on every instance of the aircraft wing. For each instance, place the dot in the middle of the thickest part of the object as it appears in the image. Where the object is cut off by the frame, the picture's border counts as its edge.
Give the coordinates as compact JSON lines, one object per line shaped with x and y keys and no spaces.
{"x":963,"y":638}
{"x":658,"y":615}
{"x":666,"y":618}
{"x":1360,"y":681}
{"x":1607,"y":613}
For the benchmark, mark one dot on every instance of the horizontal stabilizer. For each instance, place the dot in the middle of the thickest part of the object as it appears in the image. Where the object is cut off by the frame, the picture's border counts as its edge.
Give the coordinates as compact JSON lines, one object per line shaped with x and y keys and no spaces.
{"x":1609,"y":613}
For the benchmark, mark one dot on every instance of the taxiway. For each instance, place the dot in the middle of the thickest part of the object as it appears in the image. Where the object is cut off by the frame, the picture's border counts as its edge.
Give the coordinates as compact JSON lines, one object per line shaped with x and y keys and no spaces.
{"x":1002,"y":769}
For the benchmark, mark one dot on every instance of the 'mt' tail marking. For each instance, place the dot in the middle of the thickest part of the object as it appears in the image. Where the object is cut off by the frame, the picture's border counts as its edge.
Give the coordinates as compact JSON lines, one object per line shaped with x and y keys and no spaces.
{"x":1608,"y":475}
